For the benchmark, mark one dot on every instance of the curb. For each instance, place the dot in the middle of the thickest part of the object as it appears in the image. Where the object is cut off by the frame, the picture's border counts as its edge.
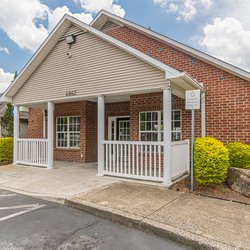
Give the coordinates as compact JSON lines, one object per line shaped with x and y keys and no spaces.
{"x":148,"y":225}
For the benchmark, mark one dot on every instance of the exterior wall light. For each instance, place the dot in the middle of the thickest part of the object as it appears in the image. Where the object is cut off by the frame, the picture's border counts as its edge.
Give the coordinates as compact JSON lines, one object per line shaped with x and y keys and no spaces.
{"x":70,"y":39}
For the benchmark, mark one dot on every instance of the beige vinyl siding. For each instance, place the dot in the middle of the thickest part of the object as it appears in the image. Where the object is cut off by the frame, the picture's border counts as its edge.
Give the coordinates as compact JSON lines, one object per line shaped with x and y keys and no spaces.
{"x":96,"y":67}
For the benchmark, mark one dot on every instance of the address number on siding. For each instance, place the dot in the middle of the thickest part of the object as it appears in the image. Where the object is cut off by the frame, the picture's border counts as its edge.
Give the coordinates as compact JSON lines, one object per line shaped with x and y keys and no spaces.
{"x":71,"y":93}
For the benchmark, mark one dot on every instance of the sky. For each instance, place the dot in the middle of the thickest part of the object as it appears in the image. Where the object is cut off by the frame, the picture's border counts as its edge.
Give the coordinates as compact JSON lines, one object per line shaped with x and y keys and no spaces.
{"x":218,"y":27}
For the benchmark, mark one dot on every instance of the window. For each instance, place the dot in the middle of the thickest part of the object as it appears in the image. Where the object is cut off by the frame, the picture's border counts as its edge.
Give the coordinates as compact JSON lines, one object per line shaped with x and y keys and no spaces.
{"x":151,"y":125}
{"x":68,"y":132}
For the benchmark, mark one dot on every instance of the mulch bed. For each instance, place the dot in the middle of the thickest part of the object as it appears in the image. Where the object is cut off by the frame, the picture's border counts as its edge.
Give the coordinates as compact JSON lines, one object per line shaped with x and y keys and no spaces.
{"x":220,"y":191}
{"x":4,"y":163}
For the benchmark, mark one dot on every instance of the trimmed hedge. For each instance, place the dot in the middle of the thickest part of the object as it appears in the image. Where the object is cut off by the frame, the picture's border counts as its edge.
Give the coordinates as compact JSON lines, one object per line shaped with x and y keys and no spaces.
{"x":211,"y":161}
{"x":6,"y":149}
{"x":239,"y":155}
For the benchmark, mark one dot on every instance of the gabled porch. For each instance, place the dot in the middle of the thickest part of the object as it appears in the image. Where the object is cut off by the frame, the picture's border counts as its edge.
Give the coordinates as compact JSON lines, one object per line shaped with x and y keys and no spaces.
{"x":140,"y":144}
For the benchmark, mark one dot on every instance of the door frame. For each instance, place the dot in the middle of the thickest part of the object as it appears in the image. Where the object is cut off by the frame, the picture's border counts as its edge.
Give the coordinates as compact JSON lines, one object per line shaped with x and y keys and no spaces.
{"x":110,"y":120}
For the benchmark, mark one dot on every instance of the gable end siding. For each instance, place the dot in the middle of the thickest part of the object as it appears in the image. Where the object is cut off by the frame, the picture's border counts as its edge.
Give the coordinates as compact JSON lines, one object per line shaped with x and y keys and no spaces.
{"x":96,"y":67}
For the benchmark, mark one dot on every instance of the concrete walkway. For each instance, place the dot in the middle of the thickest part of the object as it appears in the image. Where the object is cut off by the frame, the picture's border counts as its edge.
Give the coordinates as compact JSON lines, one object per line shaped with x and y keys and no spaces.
{"x":201,"y":222}
{"x":66,"y":180}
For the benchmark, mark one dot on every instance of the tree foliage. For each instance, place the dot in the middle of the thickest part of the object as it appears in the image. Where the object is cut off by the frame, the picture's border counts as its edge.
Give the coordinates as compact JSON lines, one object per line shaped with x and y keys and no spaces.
{"x":7,"y":120}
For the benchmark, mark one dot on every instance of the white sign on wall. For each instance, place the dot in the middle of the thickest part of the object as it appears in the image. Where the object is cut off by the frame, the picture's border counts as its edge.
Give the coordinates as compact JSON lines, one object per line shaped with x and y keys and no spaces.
{"x":193,"y":99}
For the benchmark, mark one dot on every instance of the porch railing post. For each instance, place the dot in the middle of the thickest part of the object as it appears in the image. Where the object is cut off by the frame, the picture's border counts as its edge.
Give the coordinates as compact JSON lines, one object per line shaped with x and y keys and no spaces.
{"x":167,"y":111}
{"x":16,"y":132}
{"x":50,"y":133}
{"x":101,"y":130}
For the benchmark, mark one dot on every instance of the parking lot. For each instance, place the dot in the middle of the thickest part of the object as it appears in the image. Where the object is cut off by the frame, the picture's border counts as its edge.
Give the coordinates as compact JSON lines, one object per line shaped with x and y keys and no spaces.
{"x":29,"y":223}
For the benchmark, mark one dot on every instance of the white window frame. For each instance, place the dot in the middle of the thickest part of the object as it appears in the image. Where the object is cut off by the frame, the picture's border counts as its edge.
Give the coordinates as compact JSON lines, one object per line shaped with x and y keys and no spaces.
{"x":68,"y":132}
{"x":159,"y":131}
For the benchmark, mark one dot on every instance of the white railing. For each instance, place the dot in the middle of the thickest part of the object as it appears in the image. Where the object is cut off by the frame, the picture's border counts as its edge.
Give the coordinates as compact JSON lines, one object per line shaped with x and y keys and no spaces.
{"x":32,"y":152}
{"x":134,"y":159}
{"x":144,"y":160}
{"x":180,"y":158}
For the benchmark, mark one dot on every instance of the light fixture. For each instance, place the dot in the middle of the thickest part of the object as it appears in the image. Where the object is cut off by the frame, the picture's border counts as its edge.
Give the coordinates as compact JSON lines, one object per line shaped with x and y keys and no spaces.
{"x":70,"y":39}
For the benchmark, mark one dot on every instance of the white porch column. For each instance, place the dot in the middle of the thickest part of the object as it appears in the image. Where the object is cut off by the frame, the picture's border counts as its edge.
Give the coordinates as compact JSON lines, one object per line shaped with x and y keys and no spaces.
{"x":203,"y":114}
{"x":16,"y":132}
{"x":50,"y":133}
{"x":167,"y":138}
{"x":101,"y":132}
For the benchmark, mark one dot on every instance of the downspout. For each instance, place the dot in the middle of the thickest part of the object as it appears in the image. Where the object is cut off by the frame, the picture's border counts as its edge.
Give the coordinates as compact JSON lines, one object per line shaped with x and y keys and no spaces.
{"x":203,"y":114}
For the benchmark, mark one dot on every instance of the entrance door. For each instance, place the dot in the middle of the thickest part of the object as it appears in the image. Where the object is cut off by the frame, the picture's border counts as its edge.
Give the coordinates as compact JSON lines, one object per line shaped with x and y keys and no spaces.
{"x":123,"y":129}
{"x":119,"y":128}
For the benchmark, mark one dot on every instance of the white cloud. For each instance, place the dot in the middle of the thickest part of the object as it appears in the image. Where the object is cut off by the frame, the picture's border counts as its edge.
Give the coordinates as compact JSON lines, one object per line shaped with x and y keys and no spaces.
{"x":5,"y":50}
{"x":94,"y":6}
{"x":54,"y":16}
{"x":228,"y":40}
{"x":23,"y":25}
{"x":5,"y":80}
{"x":19,"y":22}
{"x":185,"y":9}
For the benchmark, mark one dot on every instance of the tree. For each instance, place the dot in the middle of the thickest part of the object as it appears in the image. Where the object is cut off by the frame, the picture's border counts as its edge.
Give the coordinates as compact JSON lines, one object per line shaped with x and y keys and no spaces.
{"x":7,"y":120}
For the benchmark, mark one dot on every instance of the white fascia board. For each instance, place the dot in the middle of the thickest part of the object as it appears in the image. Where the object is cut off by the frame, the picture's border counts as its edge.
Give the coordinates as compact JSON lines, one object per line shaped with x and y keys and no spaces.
{"x":35,"y":54}
{"x":185,"y":48}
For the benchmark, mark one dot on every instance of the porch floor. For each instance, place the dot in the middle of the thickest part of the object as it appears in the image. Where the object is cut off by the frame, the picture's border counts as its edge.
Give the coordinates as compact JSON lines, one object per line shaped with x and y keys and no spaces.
{"x":66,"y":180}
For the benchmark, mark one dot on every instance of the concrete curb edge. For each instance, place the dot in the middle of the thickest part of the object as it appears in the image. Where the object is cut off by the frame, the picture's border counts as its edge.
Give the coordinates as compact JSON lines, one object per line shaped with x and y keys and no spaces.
{"x":147,"y":225}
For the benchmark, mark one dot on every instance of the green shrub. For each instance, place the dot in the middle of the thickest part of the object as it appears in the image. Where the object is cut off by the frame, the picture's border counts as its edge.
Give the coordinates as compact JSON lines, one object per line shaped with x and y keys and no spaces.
{"x":239,"y":155}
{"x":6,"y":149}
{"x":211,"y":161}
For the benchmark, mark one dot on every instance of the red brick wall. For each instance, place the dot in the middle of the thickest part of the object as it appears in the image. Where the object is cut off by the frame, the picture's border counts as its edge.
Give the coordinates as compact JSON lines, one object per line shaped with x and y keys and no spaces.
{"x":88,"y":131}
{"x":35,"y":124}
{"x":227,"y":98}
{"x":91,"y":132}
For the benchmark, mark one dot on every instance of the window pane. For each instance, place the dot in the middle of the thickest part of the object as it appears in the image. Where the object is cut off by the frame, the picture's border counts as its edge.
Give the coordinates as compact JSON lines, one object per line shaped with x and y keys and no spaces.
{"x":148,"y":116}
{"x":142,"y":126}
{"x":154,"y":116}
{"x":142,"y":116}
{"x":177,"y":125}
{"x":148,"y":126}
{"x":177,"y":115}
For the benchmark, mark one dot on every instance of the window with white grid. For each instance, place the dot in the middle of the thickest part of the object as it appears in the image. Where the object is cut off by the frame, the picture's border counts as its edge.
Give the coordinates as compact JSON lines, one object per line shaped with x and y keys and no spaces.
{"x":151,"y":125}
{"x":68,"y":132}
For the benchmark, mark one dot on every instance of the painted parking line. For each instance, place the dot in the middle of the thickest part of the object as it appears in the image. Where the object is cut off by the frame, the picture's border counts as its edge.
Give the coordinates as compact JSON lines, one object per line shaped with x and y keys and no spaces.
{"x":19,"y":206}
{"x":7,"y":195}
{"x":30,"y":208}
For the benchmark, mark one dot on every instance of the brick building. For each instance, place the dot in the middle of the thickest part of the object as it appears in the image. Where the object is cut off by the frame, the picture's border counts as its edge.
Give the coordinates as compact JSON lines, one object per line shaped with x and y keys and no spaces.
{"x":113,"y":92}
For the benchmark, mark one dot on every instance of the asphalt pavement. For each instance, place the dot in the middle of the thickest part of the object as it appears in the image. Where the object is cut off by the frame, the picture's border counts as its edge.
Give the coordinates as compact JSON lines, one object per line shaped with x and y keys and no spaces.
{"x":30,"y":223}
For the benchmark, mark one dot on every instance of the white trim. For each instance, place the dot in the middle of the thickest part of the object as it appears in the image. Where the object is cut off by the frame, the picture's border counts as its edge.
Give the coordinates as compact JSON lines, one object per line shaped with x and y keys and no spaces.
{"x":100,"y":133}
{"x":167,"y":135}
{"x":180,"y":46}
{"x":50,"y":135}
{"x":16,"y":133}
{"x":203,"y":114}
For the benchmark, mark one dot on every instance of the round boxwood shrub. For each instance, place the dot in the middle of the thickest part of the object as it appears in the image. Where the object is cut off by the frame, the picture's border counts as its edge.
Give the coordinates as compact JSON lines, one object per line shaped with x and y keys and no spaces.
{"x":6,"y":149}
{"x":239,"y":155}
{"x":211,"y":161}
